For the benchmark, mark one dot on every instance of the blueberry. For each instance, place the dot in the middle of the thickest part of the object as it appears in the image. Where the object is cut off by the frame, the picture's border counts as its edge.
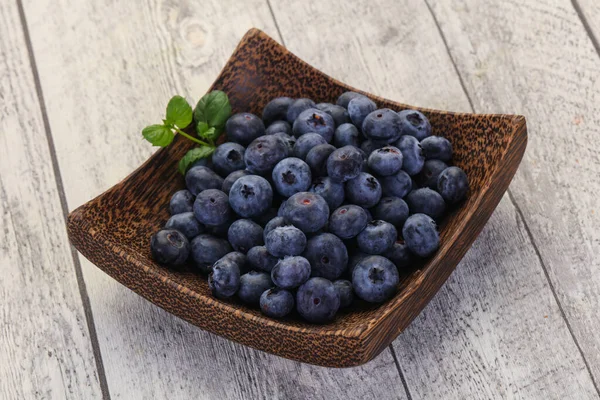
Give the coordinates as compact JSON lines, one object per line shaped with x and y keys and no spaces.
{"x":428,"y":176}
{"x":377,"y":237}
{"x":369,"y":146}
{"x":317,"y":159}
{"x":307,"y":211}
{"x":437,"y":148}
{"x":182,"y":201}
{"x":382,"y":126}
{"x":250,"y":196}
{"x":344,"y":289}
{"x":285,"y":241}
{"x":338,"y":113}
{"x":313,"y":120}
{"x":239,"y":259}
{"x":231,"y":178}
{"x":206,"y":249}
{"x":398,"y":185}
{"x":268,"y":215}
{"x":281,"y":209}
{"x":346,"y":135}
{"x":375,"y":279}
{"x":224,"y":278}
{"x":228,"y":157}
{"x":420,"y":235}
{"x":305,"y":143}
{"x":412,"y":154}
{"x":259,"y":259}
{"x":169,"y":246}
{"x":263,"y":153}
{"x":243,"y":128}
{"x":400,"y":255}
{"x":358,"y":109}
{"x":203,"y":162}
{"x":252,"y":286}
{"x":200,"y":178}
{"x":276,"y":303}
{"x":385,"y":161}
{"x":297,"y":107}
{"x":212,"y":207}
{"x":276,"y":109}
{"x":453,"y":184}
{"x":291,"y":272}
{"x":185,"y":223}
{"x":426,"y":201}
{"x":364,"y":190}
{"x":391,"y":209}
{"x":332,"y":192}
{"x":291,"y":175}
{"x":354,"y":259}
{"x":348,"y":221}
{"x":345,"y":164}
{"x":279,"y":127}
{"x":244,"y":234}
{"x":219,"y":230}
{"x":289,"y":141}
{"x":414,"y":123}
{"x":345,"y":98}
{"x":327,"y":255}
{"x":317,"y":301}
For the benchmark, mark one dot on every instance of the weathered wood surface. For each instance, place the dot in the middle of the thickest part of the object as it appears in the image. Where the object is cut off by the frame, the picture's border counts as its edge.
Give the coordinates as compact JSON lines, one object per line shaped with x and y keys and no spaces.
{"x":45,"y":348}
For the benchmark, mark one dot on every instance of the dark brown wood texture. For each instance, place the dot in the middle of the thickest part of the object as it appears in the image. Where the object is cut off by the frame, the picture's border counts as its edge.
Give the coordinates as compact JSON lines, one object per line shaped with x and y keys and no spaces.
{"x":114,"y":229}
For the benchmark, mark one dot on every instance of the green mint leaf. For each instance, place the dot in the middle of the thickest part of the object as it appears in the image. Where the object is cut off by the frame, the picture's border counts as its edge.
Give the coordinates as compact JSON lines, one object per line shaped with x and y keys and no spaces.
{"x":214,"y":109}
{"x":158,"y":135}
{"x":201,"y":128}
{"x":194,"y":155}
{"x":210,"y":134}
{"x":179,"y":112}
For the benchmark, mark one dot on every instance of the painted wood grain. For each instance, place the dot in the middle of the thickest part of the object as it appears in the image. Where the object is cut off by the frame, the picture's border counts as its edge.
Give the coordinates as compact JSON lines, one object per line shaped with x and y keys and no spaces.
{"x":107,"y":70}
{"x":45,"y":350}
{"x":495,"y":329}
{"x":550,"y":75}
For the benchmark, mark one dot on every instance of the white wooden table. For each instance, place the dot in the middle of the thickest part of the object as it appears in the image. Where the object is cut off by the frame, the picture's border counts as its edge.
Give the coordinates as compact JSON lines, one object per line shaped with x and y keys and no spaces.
{"x":519,"y":318}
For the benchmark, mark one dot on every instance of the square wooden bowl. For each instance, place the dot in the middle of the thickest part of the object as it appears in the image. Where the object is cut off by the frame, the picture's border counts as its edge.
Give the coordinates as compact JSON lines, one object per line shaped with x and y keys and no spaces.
{"x":113,"y":230}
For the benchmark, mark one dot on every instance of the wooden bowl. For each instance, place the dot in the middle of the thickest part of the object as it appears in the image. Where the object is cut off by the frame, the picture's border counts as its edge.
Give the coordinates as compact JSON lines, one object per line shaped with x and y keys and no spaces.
{"x":113,"y":230}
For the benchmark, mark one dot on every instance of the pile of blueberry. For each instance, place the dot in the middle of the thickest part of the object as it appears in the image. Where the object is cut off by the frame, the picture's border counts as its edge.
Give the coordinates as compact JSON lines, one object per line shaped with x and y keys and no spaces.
{"x":312,"y":205}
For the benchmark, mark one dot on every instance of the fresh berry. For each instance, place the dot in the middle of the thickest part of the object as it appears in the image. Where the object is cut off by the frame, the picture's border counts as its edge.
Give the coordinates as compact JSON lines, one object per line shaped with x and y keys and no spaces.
{"x":400,"y":255}
{"x":375,"y":279}
{"x":224,"y":278}
{"x":414,"y":123}
{"x":348,"y":221}
{"x":239,"y":259}
{"x":338,"y":113}
{"x":291,"y":175}
{"x":346,"y":135}
{"x":200,"y":178}
{"x":276,"y":303}
{"x":276,"y":109}
{"x":391,"y":209}
{"x":279,"y":127}
{"x":437,"y":148}
{"x":385,"y":161}
{"x":364,"y":190}
{"x":243,"y":128}
{"x":377,"y":237}
{"x":305,"y":143}
{"x":276,"y":222}
{"x":231,"y":178}
{"x":285,"y":241}
{"x":307,"y":211}
{"x":344,"y":289}
{"x":420,"y":235}
{"x":220,"y":230}
{"x":228,"y":157}
{"x":317,"y":301}
{"x":344,"y":164}
{"x":426,"y":201}
{"x":169,"y":246}
{"x":264,"y":218}
{"x":289,"y":141}
{"x":212,"y":207}
{"x":206,"y":249}
{"x":291,"y":272}
{"x":327,"y":255}
{"x":182,"y":201}
{"x":313,"y":120}
{"x":250,"y":196}
{"x":252,"y":286}
{"x":358,"y":109}
{"x":317,"y":159}
{"x":263,"y":153}
{"x":428,"y":176}
{"x":244,"y":234}
{"x":398,"y":185}
{"x":369,"y":146}
{"x":412,"y":154}
{"x":345,"y":98}
{"x":453,"y":184}
{"x":185,"y":223}
{"x":354,"y":259}
{"x":382,"y":126}
{"x":297,"y":107}
{"x":260,"y":259}
{"x":332,"y":192}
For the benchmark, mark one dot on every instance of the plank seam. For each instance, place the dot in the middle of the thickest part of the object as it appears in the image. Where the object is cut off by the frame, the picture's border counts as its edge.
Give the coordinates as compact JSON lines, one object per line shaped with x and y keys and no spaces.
{"x":586,"y":25}
{"x":518,"y":209}
{"x":408,"y":395}
{"x":276,"y":23}
{"x":63,"y":203}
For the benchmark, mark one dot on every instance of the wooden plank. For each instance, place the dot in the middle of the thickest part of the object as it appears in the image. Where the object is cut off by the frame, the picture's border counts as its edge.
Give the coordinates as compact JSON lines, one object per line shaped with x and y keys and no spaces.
{"x":108,"y":69}
{"x":494,"y":330}
{"x":44,"y":340}
{"x":589,"y":13}
{"x":550,"y":74}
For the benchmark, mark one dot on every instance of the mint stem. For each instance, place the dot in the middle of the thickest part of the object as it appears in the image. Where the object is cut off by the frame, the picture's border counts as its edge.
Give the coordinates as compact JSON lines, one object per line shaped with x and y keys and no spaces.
{"x":193,"y":139}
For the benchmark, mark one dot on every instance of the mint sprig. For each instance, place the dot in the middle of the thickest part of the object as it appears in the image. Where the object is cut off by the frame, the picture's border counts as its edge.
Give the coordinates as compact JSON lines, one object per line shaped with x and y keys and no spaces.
{"x":210,"y":115}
